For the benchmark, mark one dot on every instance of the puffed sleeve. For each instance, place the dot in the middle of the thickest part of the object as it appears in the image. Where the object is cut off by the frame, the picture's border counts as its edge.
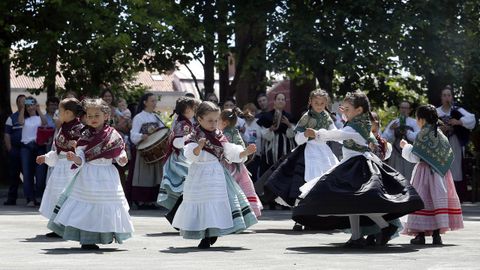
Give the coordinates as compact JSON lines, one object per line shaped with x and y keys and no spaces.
{"x":179,"y":142}
{"x":188,"y":152}
{"x":300,"y":138}
{"x":135,"y":134}
{"x":232,"y":152}
{"x":468,"y":119}
{"x":79,"y":151}
{"x":408,"y":155}
{"x":51,"y":158}
{"x":388,"y":133}
{"x":388,"y":151}
{"x":411,"y":135}
{"x":122,"y":154}
{"x":338,"y":135}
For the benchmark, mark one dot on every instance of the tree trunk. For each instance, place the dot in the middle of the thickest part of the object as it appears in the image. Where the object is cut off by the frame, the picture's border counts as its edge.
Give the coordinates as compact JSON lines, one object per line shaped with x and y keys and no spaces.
{"x":300,"y":89}
{"x":51,"y":77}
{"x":223,"y":50}
{"x":5,"y":109}
{"x":208,"y":47}
{"x":250,"y":43}
{"x":324,"y":76}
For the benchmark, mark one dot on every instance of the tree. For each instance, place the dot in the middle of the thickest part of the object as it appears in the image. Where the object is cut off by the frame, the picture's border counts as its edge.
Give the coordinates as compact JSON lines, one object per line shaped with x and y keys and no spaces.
{"x":11,"y":30}
{"x":349,"y":39}
{"x":432,"y":43}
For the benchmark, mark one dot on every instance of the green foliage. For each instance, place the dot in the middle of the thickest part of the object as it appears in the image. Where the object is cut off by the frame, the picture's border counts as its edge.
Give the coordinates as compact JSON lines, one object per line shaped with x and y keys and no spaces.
{"x":166,"y":118}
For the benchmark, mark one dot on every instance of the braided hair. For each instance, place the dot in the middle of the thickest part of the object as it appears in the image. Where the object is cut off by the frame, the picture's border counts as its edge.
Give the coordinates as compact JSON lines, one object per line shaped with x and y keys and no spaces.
{"x":429,"y":113}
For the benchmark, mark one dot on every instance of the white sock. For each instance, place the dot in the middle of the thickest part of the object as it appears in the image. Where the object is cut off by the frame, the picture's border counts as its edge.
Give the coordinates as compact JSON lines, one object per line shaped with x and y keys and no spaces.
{"x":379,"y":220}
{"x":355,"y":226}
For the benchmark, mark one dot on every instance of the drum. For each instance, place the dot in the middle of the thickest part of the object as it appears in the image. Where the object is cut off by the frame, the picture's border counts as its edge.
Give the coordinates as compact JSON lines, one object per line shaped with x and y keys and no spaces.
{"x":154,"y":147}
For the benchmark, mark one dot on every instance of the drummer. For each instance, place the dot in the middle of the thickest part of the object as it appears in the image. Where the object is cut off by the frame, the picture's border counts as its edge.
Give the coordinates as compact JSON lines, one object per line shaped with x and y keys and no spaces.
{"x":143,"y":183}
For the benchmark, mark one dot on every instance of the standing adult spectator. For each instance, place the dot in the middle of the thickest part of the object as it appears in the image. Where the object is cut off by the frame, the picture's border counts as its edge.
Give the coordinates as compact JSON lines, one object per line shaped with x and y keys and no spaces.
{"x":277,"y":138}
{"x":143,"y":178}
{"x":262,"y":101}
{"x":31,"y":117}
{"x":277,"y":133}
{"x":13,"y":137}
{"x":108,"y":97}
{"x":457,"y":125}
{"x":403,"y":127}
{"x":212,"y":98}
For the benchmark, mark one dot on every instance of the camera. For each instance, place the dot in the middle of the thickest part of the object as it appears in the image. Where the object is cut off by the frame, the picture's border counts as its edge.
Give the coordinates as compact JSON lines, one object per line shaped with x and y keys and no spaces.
{"x":30,"y":101}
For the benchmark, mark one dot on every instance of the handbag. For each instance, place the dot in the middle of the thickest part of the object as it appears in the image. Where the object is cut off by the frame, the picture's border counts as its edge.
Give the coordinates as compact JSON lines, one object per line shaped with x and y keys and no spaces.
{"x":44,"y":134}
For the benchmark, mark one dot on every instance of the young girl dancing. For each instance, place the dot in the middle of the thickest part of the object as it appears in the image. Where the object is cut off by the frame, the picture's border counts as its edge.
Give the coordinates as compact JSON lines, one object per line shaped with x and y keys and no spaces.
{"x":433,"y":181}
{"x":239,"y":170}
{"x":65,"y":141}
{"x":213,"y":203}
{"x":361,"y":185}
{"x":93,"y":209}
{"x":311,"y":159}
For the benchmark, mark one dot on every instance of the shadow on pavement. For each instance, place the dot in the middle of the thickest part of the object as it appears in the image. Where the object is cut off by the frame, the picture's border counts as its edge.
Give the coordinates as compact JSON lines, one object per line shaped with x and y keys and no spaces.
{"x":337,"y":248}
{"x":162,"y":234}
{"x":77,"y":250}
{"x":183,"y":250}
{"x":41,"y":238}
{"x":291,"y":232}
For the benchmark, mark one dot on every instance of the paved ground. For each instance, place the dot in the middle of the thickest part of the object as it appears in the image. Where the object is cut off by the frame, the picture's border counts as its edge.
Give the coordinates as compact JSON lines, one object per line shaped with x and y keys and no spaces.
{"x":269,"y":245}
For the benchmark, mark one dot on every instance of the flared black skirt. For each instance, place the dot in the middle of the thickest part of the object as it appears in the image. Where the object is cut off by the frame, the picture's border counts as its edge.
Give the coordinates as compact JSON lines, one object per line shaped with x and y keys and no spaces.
{"x":289,"y":176}
{"x":355,"y":187}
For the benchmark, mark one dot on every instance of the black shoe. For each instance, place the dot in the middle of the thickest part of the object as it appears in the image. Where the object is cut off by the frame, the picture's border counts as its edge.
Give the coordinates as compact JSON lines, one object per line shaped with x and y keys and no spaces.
{"x":10,"y":202}
{"x":371,"y":241}
{"x":359,"y":243}
{"x":90,"y":247}
{"x":272,"y":206}
{"x":418,"y":240}
{"x":213,"y":240}
{"x":297,"y":227}
{"x":52,"y":235}
{"x":204,"y":244}
{"x":387,"y":234}
{"x":437,"y":240}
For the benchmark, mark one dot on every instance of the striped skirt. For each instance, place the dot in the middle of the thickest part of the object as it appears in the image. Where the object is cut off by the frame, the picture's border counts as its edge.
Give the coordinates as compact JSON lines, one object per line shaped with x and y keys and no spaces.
{"x":442,"y":207}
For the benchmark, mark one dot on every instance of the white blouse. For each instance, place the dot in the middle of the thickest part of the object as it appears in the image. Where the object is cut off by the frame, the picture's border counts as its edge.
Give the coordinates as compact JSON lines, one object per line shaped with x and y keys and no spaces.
{"x":231,"y":152}
{"x":389,"y":134}
{"x":339,"y":135}
{"x":29,"y":131}
{"x":468,"y":119}
{"x":138,"y":121}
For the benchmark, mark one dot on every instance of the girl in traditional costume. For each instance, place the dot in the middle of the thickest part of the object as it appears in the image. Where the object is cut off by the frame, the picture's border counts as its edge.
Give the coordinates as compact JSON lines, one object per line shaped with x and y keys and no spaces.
{"x":312,"y":158}
{"x":433,"y":181}
{"x":361,"y":190}
{"x":65,"y":141}
{"x":213,"y":203}
{"x":239,"y":170}
{"x":175,"y":169}
{"x":93,"y":209}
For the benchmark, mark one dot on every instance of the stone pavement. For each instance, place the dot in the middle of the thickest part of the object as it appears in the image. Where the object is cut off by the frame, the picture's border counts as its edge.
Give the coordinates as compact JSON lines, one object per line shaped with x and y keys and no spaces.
{"x":270,"y":244}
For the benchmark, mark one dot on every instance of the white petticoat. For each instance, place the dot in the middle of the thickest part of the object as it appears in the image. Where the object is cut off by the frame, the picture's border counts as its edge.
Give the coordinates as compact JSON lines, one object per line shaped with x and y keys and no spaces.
{"x":205,"y":199}
{"x":61,"y":175}
{"x":97,"y":202}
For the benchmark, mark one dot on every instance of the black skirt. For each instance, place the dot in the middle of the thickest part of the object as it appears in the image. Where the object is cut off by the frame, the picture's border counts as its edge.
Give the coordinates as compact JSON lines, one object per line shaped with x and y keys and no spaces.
{"x":356,"y":186}
{"x":289,"y":176}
